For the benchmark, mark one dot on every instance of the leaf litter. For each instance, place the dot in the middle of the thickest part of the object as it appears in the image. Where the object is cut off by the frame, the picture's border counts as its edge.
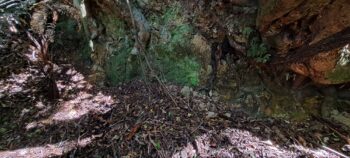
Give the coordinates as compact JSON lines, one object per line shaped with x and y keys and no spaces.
{"x":139,"y":119}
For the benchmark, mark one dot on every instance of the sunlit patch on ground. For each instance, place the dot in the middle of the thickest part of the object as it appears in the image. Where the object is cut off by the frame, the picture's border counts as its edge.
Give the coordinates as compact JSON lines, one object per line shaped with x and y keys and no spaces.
{"x":81,"y":105}
{"x":240,"y":143}
{"x":48,"y":150}
{"x":137,"y":120}
{"x":16,"y":83}
{"x":77,"y":100}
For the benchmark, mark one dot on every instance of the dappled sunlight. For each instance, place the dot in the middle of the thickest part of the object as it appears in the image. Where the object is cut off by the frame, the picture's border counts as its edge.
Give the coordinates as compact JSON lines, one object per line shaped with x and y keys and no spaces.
{"x":81,"y":105}
{"x":77,"y":100}
{"x":49,"y":150}
{"x":137,"y":121}
{"x":16,"y":83}
{"x":134,"y":121}
{"x":240,"y":143}
{"x":82,"y":100}
{"x":136,"y":118}
{"x":72,"y":80}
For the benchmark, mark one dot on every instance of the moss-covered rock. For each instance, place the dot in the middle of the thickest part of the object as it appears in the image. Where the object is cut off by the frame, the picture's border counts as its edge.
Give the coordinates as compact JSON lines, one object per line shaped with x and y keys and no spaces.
{"x":340,"y":74}
{"x":171,"y":51}
{"x":120,"y":65}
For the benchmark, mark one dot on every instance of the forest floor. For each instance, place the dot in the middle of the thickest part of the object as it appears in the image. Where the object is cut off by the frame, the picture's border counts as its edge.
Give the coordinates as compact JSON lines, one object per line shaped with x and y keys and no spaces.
{"x":141,"y":119}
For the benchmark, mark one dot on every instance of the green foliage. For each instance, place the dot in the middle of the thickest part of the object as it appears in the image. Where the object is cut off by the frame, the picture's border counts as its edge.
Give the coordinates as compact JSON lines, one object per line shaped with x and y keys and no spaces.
{"x":247,"y":31}
{"x":115,"y":27}
{"x":172,"y":55}
{"x":256,"y":48}
{"x":180,"y":35}
{"x":172,"y":15}
{"x":121,"y":66}
{"x":184,"y":71}
{"x":258,"y":51}
{"x":172,"y":24}
{"x":340,"y":74}
{"x":179,"y":38}
{"x":157,"y":145}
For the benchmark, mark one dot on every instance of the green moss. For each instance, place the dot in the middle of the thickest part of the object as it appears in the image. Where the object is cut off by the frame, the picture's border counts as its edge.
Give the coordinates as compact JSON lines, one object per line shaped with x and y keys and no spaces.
{"x":299,"y":116}
{"x":115,"y":27}
{"x":171,"y":15}
{"x":258,"y":50}
{"x":173,"y":56}
{"x":184,"y":71}
{"x":121,"y":67}
{"x":175,"y":60}
{"x":340,"y":74}
{"x":170,"y":55}
{"x":180,"y":35}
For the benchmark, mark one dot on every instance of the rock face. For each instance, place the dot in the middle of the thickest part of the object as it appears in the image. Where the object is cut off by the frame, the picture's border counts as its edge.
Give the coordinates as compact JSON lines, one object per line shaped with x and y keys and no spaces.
{"x":178,"y":43}
{"x":162,"y":48}
{"x":291,"y":25}
{"x":180,"y":35}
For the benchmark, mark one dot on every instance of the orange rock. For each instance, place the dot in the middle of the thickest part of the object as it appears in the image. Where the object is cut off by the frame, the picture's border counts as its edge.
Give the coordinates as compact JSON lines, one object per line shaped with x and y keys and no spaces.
{"x":300,"y":68}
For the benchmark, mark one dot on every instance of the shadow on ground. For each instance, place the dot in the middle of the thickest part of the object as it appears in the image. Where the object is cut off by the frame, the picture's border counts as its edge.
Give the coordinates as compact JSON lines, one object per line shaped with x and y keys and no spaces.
{"x":138,"y":120}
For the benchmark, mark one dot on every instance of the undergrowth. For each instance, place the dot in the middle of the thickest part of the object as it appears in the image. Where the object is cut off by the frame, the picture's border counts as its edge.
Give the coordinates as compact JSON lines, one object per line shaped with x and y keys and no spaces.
{"x":171,"y":53}
{"x":169,"y":50}
{"x":257,"y":49}
{"x":120,"y":66}
{"x":340,"y":74}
